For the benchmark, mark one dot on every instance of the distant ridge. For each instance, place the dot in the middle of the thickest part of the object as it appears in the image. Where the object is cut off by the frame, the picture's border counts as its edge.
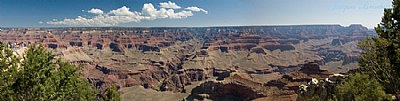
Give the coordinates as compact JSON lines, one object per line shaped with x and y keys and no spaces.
{"x":338,"y":25}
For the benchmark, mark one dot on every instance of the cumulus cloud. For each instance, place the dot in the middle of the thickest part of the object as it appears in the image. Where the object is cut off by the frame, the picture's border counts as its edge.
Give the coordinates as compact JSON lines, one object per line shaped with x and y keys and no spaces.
{"x":95,"y":11}
{"x":123,"y":11}
{"x":196,"y":9}
{"x":169,"y":4}
{"x":125,"y":15}
{"x":151,"y":13}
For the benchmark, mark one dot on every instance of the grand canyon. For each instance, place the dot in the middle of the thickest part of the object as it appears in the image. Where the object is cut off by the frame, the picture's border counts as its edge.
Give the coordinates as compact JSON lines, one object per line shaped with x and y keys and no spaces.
{"x":228,"y":63}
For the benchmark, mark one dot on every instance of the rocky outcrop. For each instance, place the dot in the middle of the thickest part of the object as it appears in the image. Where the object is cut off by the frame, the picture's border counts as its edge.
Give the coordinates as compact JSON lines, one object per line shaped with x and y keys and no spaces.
{"x":283,"y":47}
{"x":246,"y":42}
{"x":324,"y":88}
{"x":337,"y":42}
{"x":221,"y":74}
{"x":235,"y":88}
{"x":290,"y":82}
{"x":311,"y":68}
{"x":146,"y":48}
{"x":258,"y":50}
{"x":223,"y":92}
{"x":332,"y":54}
{"x":178,"y":81}
{"x":75,"y":55}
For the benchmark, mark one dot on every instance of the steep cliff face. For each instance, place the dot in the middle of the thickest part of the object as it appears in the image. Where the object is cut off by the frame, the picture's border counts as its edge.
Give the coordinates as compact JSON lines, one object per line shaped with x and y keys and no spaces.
{"x":182,"y":78}
{"x":160,"y":71}
{"x":155,"y":78}
{"x":149,"y":78}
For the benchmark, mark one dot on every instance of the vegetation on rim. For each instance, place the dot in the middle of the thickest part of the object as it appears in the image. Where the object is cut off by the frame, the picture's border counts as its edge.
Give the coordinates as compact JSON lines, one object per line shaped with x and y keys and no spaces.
{"x":38,"y":76}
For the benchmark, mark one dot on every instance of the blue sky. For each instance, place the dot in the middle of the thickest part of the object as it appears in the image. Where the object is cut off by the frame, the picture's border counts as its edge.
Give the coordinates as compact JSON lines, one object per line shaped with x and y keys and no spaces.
{"x":129,"y":13}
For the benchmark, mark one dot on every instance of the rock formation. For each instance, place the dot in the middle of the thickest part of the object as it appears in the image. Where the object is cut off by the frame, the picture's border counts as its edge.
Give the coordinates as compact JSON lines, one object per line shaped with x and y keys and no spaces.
{"x":216,"y":63}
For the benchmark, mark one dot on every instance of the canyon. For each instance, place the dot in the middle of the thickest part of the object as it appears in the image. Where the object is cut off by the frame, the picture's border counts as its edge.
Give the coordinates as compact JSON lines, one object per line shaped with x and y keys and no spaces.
{"x":233,"y":63}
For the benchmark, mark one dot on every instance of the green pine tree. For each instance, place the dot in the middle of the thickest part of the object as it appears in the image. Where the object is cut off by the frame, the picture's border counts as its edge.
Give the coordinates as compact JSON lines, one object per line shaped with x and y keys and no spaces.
{"x":381,"y":55}
{"x":8,"y":72}
{"x":361,"y":87}
{"x":111,"y":94}
{"x":39,"y":76}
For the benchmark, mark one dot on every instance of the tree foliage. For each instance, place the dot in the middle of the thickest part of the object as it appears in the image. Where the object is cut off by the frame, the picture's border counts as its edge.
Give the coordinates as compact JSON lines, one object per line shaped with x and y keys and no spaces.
{"x":379,"y":61}
{"x":39,"y":76}
{"x":111,"y":94}
{"x":361,"y":87}
{"x":381,"y":55}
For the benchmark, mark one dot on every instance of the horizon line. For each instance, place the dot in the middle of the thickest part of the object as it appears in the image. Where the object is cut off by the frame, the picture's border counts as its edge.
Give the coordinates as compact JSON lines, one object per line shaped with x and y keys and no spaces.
{"x":212,"y":26}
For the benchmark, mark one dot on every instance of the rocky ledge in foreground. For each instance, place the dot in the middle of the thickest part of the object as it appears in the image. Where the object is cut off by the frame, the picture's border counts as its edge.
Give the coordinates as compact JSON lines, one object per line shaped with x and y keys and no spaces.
{"x":238,"y":87}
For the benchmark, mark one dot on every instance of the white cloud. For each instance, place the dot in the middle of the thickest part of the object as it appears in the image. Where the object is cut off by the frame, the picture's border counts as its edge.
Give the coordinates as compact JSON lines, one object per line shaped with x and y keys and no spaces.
{"x":169,"y":4}
{"x":124,"y":15}
{"x":183,"y":14}
{"x":40,"y":22}
{"x":100,"y":20}
{"x":123,"y":11}
{"x":151,"y":13}
{"x":196,"y":9}
{"x":95,"y":11}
